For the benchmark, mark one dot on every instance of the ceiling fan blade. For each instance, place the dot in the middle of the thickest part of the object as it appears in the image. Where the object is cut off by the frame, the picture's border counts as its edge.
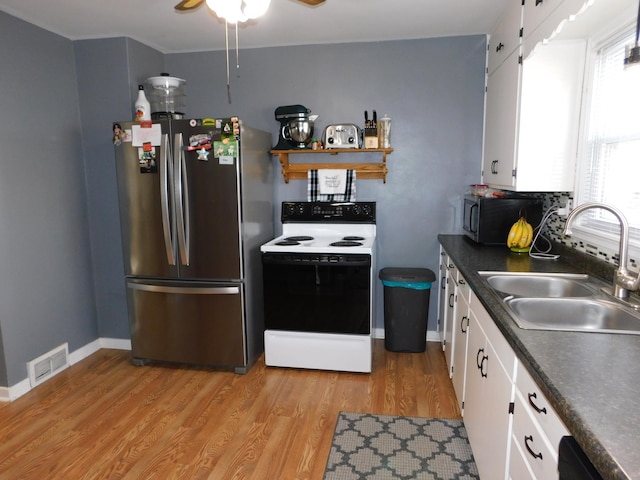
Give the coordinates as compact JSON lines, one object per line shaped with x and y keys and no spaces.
{"x":312,"y":2}
{"x":189,"y":4}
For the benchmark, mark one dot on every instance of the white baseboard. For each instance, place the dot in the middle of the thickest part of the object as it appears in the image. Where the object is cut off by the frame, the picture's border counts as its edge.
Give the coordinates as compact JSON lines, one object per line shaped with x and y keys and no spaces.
{"x":9,"y":394}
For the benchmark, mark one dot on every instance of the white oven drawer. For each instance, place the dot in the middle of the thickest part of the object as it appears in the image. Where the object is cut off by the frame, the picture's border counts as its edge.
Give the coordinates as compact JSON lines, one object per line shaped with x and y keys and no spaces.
{"x":349,"y":353}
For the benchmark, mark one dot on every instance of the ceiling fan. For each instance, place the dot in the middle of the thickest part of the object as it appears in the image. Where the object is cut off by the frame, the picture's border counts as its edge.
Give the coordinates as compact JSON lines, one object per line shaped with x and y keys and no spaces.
{"x":186,"y":5}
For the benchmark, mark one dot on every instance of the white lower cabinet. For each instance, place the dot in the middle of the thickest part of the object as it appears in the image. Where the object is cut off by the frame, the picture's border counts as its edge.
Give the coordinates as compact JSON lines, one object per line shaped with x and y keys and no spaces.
{"x":513,"y":431}
{"x":489,"y":392}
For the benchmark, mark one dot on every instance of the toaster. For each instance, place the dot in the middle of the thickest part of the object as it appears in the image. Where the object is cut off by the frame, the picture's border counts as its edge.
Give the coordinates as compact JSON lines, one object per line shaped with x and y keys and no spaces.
{"x":343,"y":135}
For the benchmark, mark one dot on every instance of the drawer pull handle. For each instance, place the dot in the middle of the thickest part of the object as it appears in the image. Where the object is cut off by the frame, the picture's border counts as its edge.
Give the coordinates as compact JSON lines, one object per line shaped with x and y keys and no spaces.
{"x":528,"y":439}
{"x":535,"y":407}
{"x":538,"y":2}
{"x":461,"y":281}
{"x":451,"y":300}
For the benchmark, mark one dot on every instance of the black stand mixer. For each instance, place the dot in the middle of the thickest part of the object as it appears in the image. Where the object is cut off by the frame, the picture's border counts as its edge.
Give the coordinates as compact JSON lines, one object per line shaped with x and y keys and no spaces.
{"x":296,"y":127}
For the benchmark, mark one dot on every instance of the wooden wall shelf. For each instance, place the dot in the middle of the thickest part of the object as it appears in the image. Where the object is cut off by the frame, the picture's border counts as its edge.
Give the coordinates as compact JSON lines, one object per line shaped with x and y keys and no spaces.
{"x":299,"y":171}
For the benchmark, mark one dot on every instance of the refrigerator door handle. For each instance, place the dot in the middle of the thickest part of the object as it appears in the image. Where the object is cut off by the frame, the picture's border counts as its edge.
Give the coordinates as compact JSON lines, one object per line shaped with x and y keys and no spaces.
{"x":181,"y":183}
{"x":165,"y":176}
{"x":185,"y":290}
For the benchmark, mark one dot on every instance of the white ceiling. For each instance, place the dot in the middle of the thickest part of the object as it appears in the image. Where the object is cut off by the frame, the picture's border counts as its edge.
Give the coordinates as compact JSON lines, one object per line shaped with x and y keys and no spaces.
{"x":288,"y":22}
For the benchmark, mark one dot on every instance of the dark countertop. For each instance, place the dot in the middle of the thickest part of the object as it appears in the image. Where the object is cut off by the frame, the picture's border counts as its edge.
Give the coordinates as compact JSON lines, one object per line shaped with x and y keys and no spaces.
{"x":591,"y":379}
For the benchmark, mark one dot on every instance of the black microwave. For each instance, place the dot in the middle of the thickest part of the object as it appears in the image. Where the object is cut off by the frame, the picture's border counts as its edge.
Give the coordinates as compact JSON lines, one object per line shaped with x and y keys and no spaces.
{"x":488,"y":220}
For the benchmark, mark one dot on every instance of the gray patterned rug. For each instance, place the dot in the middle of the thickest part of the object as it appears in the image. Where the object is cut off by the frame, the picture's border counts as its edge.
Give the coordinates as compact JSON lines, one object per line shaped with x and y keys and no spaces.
{"x":384,"y":447}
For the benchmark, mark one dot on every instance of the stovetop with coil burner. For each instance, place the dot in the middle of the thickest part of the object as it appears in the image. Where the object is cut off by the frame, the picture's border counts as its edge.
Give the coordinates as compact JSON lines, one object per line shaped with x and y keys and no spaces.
{"x":325,"y":227}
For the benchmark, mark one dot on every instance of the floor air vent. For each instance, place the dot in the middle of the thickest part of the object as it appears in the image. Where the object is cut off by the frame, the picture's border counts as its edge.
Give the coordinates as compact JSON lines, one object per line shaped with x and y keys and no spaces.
{"x":47,"y":365}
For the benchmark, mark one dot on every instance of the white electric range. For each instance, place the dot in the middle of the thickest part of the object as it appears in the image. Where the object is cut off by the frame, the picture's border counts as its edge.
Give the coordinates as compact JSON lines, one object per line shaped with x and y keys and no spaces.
{"x":319,"y":287}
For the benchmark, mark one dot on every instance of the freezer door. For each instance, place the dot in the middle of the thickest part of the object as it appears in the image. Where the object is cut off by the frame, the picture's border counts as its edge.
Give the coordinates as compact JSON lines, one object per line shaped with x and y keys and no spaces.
{"x":145,"y":190}
{"x":207,"y":203}
{"x":198,"y":324}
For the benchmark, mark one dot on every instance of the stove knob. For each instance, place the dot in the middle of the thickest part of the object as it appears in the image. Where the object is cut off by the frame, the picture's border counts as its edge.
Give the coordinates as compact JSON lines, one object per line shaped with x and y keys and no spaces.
{"x":351,"y":139}
{"x":289,"y":208}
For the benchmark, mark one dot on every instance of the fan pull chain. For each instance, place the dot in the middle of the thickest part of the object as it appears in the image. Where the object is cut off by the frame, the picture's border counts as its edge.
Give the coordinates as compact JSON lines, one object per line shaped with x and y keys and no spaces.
{"x":237,"y":50}
{"x":226,"y":43}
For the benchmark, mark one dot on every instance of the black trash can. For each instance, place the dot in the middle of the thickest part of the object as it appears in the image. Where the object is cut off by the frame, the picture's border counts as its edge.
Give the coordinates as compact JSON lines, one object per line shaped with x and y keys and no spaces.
{"x":406,"y":308}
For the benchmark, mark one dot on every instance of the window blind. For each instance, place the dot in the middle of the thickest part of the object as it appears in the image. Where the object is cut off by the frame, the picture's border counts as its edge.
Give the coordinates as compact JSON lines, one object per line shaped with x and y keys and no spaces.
{"x":612,"y":148}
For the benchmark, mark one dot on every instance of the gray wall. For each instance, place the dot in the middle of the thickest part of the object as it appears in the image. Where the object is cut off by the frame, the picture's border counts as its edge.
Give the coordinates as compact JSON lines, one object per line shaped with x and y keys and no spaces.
{"x":46,"y":295}
{"x":109,"y":72}
{"x":434,"y":91}
{"x":60,"y":243}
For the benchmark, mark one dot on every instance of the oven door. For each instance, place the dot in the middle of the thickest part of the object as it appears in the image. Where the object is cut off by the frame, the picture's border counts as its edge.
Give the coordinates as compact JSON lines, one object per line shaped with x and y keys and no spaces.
{"x":320,"y":293}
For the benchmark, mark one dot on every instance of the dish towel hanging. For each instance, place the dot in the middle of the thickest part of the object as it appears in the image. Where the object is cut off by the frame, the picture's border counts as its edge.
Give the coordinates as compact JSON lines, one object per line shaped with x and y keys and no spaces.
{"x":329,"y":185}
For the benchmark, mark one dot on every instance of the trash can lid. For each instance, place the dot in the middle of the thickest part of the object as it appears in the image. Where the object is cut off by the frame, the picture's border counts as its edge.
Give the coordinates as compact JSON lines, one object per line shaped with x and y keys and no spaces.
{"x":408,"y":275}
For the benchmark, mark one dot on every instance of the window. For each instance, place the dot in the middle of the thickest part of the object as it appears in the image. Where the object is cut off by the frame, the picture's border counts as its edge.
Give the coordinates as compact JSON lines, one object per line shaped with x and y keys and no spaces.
{"x":610,"y":153}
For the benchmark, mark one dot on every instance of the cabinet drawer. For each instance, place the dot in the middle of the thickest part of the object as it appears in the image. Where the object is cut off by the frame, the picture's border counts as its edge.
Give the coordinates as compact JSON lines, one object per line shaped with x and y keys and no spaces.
{"x":538,"y":406}
{"x":463,"y":288}
{"x":518,"y":466}
{"x":530,"y":442}
{"x":451,"y":268}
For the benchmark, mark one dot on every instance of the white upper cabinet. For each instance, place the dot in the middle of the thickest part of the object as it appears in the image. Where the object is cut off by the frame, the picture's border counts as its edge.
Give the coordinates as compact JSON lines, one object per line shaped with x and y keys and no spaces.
{"x":536,"y":12}
{"x":505,"y":38}
{"x":533,"y":99}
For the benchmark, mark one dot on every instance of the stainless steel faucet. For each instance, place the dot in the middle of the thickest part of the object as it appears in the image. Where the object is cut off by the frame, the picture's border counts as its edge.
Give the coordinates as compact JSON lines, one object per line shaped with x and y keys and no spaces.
{"x":623,"y":280}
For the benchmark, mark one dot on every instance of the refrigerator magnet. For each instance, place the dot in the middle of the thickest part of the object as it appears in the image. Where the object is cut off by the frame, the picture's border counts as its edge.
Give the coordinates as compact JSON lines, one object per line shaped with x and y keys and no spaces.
{"x":203,"y":155}
{"x":147,"y":160}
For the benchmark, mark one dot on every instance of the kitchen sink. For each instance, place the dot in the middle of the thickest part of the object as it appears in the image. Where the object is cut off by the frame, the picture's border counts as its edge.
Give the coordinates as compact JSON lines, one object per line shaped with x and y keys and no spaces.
{"x":561,"y":301}
{"x":540,"y":285}
{"x":574,"y":314}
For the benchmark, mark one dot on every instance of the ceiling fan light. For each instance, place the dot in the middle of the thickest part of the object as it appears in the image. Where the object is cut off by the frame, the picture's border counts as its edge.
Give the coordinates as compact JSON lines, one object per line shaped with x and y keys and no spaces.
{"x":229,"y":10}
{"x":256,"y":8}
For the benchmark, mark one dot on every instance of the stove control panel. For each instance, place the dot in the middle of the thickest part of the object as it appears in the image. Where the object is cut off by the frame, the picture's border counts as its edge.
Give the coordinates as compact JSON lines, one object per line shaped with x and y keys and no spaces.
{"x":326,"y":212}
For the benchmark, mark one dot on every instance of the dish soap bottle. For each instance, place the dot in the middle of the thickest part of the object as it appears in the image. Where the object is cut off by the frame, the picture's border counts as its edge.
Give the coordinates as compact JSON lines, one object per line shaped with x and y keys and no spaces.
{"x":142,"y":106}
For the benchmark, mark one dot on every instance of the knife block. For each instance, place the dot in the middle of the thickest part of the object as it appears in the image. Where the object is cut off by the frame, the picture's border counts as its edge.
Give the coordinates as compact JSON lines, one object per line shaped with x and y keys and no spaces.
{"x":371,"y":137}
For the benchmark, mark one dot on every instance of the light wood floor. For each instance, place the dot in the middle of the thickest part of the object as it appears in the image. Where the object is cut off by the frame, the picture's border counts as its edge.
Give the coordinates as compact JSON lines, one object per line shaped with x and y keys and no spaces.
{"x":104,"y":418}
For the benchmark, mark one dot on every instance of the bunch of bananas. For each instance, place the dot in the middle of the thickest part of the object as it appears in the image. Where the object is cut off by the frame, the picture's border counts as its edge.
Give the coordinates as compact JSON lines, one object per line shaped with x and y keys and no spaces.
{"x":521,"y":235}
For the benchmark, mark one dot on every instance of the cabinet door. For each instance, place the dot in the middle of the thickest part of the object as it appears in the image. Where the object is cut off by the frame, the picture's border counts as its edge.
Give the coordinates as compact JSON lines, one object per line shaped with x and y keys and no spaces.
{"x":536,"y":12}
{"x":460,"y":340}
{"x":489,"y":392}
{"x":505,"y":38}
{"x":501,"y":117}
{"x":450,"y":319}
{"x":442,"y":293}
{"x":552,"y":80}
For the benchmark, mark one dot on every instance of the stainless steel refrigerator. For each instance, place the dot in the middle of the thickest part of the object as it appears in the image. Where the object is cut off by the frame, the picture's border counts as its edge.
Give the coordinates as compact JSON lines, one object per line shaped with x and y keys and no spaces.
{"x":196,"y":203}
